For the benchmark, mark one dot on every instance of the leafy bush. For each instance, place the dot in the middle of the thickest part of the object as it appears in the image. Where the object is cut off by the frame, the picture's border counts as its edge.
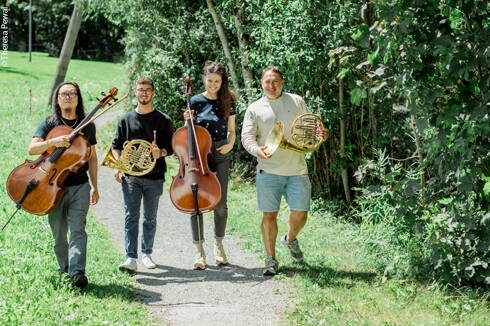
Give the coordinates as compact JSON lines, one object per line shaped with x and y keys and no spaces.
{"x":449,"y":239}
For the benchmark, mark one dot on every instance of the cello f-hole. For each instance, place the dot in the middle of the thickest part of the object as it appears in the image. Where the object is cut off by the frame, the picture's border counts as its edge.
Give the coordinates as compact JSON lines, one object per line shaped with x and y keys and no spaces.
{"x":50,"y":181}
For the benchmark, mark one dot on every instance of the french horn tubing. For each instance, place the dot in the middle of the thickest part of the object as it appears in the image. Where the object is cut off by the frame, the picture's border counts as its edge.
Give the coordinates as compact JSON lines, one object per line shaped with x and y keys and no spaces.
{"x":135,"y":159}
{"x":304,"y":135}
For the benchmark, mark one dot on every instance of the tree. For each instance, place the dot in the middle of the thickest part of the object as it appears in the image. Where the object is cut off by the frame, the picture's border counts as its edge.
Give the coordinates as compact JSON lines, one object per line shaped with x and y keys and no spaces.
{"x":224,"y":44}
{"x":68,"y":45}
{"x":239,"y":19}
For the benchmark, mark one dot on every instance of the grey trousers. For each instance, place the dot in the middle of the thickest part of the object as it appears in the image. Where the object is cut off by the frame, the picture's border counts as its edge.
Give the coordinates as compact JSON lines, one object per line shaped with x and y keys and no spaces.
{"x":71,"y":214}
{"x":220,"y":164}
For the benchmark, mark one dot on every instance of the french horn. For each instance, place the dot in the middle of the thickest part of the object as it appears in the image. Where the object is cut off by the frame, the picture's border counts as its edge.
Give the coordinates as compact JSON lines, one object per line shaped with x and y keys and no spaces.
{"x":135,"y":159}
{"x":304,"y":135}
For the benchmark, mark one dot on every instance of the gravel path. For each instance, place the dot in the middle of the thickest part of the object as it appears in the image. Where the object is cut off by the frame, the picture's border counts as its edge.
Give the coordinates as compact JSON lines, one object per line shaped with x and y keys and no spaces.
{"x":236,"y":294}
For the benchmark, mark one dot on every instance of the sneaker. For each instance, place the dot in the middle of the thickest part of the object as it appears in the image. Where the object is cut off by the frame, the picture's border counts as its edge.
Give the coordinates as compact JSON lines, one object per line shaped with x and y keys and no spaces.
{"x":200,"y":260}
{"x":219,"y":254}
{"x":129,"y":265}
{"x":148,"y":262}
{"x":79,"y":280}
{"x":271,"y":266}
{"x":294,"y":248}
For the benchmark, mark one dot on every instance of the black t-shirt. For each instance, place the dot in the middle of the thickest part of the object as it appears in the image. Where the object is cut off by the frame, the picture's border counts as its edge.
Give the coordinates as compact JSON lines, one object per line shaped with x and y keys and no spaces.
{"x":140,"y":126}
{"x":207,"y":116}
{"x":80,"y":176}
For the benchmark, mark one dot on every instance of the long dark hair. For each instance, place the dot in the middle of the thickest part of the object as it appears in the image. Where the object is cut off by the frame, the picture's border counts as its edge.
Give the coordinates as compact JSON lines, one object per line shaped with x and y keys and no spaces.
{"x":55,"y":118}
{"x":225,"y":96}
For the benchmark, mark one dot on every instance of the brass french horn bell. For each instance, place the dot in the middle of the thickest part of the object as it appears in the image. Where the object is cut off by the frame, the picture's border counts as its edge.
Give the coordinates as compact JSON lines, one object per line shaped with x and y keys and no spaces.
{"x":135,"y":159}
{"x":304,"y":135}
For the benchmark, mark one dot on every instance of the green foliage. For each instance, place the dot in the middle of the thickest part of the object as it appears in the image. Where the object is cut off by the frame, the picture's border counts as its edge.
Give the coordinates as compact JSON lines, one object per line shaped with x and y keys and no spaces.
{"x":50,"y":19}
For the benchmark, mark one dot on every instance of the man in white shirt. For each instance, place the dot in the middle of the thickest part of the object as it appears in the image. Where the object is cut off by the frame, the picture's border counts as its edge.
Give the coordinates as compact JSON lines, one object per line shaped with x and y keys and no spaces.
{"x":283,"y":174}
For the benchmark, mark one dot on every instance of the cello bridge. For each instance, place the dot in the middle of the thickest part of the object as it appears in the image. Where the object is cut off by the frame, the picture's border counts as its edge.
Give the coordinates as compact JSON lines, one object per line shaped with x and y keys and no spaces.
{"x":43,"y":171}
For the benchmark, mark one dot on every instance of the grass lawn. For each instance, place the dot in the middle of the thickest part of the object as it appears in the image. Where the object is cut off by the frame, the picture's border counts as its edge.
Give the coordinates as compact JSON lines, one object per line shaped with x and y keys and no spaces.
{"x":31,"y":291}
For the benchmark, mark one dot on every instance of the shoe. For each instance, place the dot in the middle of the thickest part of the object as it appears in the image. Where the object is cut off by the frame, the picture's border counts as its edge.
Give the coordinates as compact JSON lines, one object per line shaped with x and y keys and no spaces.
{"x":200,"y":260}
{"x":294,"y":248}
{"x":219,"y":254}
{"x":148,"y":262}
{"x":271,"y":266}
{"x":129,"y":265}
{"x":79,"y":280}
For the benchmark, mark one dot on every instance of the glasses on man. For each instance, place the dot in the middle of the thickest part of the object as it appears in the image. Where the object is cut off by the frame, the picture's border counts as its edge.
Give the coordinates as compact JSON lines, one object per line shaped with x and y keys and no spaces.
{"x":68,"y":95}
{"x":145,"y":91}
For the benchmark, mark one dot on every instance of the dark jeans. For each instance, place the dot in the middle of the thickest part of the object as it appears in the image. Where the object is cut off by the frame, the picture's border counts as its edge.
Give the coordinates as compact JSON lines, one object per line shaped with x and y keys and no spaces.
{"x":134,"y":189}
{"x":220,"y":164}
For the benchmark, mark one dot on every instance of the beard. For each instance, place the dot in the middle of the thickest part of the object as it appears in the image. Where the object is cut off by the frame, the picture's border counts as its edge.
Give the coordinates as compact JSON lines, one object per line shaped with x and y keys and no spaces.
{"x":144,"y":102}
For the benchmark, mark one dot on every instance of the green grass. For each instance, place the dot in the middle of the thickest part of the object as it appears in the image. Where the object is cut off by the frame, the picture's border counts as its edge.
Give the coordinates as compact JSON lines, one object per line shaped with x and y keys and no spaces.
{"x":334,"y":288}
{"x":31,"y":291}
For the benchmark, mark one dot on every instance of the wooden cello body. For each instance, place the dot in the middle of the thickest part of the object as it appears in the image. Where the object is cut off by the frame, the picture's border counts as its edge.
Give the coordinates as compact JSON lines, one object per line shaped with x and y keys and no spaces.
{"x":192,"y":173}
{"x":47,"y":173}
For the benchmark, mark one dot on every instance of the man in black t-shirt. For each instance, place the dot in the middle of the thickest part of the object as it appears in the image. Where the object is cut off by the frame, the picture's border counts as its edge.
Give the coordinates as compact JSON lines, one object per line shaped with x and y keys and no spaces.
{"x":151,"y":125}
{"x":80,"y":188}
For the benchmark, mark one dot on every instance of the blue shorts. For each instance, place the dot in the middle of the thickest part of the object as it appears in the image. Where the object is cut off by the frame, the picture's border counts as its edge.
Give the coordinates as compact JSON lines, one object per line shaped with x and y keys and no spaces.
{"x":271,"y":187}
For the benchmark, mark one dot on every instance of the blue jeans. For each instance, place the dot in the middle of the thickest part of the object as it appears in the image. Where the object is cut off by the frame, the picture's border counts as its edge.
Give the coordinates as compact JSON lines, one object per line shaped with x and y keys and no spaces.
{"x":71,"y":213}
{"x":134,"y":189}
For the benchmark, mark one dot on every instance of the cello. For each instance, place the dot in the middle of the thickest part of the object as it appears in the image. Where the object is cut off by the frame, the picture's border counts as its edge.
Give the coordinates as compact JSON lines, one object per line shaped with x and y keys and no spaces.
{"x":37,"y":186}
{"x":195,"y":189}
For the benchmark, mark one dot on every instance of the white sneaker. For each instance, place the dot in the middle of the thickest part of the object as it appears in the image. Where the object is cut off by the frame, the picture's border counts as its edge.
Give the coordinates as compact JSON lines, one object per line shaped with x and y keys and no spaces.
{"x":130,"y":265}
{"x":147,"y":261}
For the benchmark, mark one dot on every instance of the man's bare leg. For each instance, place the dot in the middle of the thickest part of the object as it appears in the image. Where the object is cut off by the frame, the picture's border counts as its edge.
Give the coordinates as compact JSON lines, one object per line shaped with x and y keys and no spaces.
{"x":269,"y":232}
{"x":297,"y":220}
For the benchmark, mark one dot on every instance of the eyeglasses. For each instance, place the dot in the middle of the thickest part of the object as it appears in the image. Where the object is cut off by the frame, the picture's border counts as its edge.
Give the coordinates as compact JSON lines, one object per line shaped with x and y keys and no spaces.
{"x":146,"y":91}
{"x":68,"y":95}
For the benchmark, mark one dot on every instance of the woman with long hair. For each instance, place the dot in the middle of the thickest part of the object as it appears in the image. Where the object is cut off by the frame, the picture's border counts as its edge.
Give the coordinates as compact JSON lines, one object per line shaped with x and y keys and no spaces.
{"x":214,"y":109}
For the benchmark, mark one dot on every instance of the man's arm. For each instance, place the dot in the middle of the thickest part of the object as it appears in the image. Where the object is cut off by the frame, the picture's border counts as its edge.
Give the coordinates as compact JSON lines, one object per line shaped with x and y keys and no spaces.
{"x":249,"y":136}
{"x":249,"y":133}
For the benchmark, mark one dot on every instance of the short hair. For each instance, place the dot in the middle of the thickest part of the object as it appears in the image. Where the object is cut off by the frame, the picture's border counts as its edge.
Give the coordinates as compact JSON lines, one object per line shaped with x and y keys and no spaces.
{"x":274,"y":69}
{"x":145,"y":81}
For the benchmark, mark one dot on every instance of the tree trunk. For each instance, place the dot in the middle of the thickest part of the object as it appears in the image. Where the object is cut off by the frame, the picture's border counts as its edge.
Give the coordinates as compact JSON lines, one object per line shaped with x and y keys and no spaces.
{"x":243,"y":44}
{"x":67,"y":49}
{"x":344,"y":173}
{"x":224,"y":44}
{"x":367,"y":17}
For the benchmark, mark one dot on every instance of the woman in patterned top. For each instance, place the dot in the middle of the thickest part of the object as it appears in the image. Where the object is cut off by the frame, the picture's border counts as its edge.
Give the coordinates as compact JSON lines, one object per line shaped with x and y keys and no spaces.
{"x":214,"y":109}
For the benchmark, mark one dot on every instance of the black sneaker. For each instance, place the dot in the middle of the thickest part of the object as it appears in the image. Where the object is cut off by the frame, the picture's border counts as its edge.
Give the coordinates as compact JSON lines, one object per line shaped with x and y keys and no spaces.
{"x":79,"y":280}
